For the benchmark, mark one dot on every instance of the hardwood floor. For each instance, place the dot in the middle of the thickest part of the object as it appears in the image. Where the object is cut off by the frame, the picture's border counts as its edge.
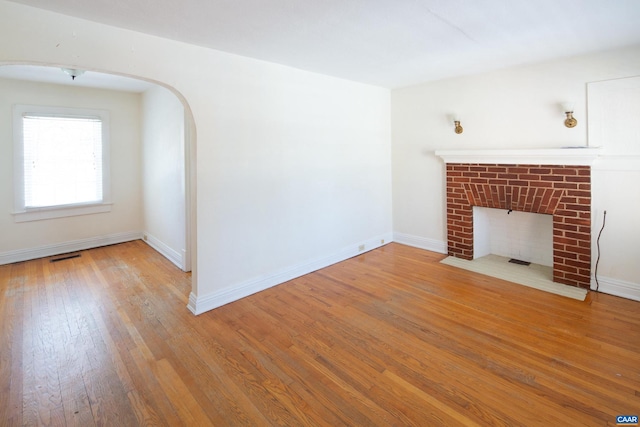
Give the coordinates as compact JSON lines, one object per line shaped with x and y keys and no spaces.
{"x":390,"y":337}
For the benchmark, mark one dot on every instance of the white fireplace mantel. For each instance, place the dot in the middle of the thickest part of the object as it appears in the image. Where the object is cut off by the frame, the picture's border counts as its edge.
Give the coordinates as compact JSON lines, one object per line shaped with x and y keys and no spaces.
{"x":578,"y":156}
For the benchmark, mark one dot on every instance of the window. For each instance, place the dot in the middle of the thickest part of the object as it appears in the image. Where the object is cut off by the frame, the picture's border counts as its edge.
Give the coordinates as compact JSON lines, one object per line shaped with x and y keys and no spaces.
{"x":60,"y":162}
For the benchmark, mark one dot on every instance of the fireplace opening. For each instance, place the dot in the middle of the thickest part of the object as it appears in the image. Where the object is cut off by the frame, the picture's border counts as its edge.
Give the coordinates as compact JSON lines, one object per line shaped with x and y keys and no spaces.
{"x":522,"y":236}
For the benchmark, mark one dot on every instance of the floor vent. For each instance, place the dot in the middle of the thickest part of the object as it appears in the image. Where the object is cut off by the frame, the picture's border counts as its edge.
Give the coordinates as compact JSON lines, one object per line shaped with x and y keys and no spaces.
{"x":62,"y":258}
{"x":519,"y":262}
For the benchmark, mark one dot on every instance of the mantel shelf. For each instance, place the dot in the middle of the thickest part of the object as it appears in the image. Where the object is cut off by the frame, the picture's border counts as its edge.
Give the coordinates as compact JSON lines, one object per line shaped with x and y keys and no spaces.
{"x":578,"y":156}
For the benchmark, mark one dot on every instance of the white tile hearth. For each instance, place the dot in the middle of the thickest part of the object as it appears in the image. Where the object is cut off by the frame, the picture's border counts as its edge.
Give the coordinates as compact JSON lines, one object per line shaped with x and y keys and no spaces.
{"x":534,"y":275}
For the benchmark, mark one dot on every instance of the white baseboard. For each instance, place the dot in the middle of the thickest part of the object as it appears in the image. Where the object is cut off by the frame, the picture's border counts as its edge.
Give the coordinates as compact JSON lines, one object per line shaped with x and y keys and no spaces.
{"x":177,"y":258}
{"x":619,"y":288}
{"x":420,"y":242}
{"x":66,"y":247}
{"x":200,"y":304}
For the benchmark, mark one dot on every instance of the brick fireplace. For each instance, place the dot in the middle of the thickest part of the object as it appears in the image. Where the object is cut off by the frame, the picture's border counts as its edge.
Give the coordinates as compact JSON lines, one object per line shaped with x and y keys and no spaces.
{"x":560,"y":190}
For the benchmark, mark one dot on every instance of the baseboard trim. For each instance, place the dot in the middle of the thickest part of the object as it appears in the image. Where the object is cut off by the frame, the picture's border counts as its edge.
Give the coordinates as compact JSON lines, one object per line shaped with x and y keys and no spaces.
{"x":202,"y":303}
{"x":421,"y":242}
{"x":177,"y":258}
{"x":619,"y":288}
{"x":66,"y":247}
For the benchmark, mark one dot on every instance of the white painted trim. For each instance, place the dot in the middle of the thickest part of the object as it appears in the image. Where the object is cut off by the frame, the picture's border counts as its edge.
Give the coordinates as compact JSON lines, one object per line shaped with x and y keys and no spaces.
{"x":22,"y":213}
{"x":203,"y":303}
{"x":615,"y":162}
{"x":420,"y":242}
{"x":189,"y":192}
{"x":185,"y":261}
{"x":163,"y":249}
{"x":547,"y":156}
{"x":66,"y":247}
{"x":60,"y":212}
{"x":619,"y":288}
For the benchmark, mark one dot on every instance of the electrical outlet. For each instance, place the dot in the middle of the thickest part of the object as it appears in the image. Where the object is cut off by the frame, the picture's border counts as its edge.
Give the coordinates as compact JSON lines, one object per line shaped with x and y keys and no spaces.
{"x":144,"y":237}
{"x":361,"y":248}
{"x":382,"y":241}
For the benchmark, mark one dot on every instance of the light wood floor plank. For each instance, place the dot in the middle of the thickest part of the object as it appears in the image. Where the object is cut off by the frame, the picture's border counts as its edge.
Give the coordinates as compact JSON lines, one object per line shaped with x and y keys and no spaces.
{"x":389,"y":338}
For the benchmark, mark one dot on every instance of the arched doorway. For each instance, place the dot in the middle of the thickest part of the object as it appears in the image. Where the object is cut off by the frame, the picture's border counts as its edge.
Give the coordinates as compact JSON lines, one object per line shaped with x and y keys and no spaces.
{"x":48,"y":85}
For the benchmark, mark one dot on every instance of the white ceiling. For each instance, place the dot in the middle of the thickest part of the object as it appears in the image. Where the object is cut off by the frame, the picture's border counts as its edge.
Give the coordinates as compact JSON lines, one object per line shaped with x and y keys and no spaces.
{"x":391,"y":43}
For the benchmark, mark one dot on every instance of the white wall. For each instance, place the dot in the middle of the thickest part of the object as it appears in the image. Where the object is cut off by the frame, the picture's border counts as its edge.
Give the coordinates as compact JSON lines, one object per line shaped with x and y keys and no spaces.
{"x":124,"y":219}
{"x":293,"y":168}
{"x":614,"y":108}
{"x":163,"y":173}
{"x":517,"y":107}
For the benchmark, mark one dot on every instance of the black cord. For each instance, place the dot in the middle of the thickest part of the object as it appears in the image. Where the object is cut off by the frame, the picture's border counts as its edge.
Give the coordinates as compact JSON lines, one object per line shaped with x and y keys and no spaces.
{"x":604,"y":219}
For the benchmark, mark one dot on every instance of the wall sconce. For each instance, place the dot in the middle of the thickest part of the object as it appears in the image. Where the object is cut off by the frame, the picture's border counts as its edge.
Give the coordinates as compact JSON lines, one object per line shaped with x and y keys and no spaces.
{"x":73,"y":72}
{"x":456,"y":123}
{"x":570,"y":121}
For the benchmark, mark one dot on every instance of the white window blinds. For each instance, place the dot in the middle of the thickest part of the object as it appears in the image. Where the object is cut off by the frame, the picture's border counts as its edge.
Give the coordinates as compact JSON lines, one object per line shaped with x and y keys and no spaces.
{"x":62,"y":160}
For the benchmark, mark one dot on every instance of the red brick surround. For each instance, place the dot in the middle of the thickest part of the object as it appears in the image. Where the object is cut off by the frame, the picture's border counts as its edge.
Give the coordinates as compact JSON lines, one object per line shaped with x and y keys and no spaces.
{"x":561,"y":191}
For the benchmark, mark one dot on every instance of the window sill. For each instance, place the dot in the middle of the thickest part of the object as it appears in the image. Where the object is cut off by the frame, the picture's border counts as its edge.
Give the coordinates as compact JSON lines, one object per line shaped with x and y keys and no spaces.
{"x":60,"y":212}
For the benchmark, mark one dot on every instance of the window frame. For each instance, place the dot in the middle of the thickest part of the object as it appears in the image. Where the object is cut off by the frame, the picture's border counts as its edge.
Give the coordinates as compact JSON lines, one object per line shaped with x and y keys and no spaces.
{"x":22,"y":213}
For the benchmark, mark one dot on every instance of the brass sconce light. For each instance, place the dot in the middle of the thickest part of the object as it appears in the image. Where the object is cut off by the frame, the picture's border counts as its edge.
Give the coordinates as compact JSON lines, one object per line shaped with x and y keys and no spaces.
{"x":456,"y":123}
{"x":570,"y":121}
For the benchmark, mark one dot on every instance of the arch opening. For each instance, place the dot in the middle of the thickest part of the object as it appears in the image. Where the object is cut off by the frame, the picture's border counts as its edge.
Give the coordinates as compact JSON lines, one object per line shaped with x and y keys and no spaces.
{"x":37,"y":77}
